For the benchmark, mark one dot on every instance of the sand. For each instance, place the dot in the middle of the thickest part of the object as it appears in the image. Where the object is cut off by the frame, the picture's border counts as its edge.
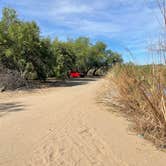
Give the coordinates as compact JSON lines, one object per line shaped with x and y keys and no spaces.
{"x":65,"y":126}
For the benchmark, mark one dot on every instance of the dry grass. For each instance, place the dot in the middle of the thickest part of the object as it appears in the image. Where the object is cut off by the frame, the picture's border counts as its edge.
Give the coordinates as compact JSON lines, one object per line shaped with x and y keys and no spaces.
{"x":141,"y":95}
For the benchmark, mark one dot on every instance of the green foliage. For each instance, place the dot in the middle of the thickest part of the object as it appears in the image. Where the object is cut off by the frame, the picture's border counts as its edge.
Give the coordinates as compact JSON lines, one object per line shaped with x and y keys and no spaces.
{"x":22,"y":49}
{"x":113,"y":57}
{"x":81,"y":46}
{"x":20,"y":45}
{"x":65,"y":58}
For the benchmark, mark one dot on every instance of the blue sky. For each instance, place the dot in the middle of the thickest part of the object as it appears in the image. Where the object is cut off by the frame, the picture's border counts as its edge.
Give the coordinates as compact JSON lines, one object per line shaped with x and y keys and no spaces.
{"x":120,"y":24}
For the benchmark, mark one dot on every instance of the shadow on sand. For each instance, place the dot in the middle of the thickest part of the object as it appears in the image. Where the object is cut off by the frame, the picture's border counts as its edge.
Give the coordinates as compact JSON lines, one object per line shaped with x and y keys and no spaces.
{"x":6,"y":108}
{"x":73,"y":82}
{"x":35,"y":84}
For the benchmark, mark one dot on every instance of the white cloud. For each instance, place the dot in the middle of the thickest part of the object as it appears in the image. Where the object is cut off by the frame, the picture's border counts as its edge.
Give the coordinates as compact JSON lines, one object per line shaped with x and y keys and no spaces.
{"x":127,"y":21}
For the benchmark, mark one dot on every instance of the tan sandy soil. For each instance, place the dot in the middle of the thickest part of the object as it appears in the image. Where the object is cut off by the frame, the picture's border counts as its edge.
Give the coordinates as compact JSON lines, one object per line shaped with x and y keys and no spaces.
{"x":65,"y":126}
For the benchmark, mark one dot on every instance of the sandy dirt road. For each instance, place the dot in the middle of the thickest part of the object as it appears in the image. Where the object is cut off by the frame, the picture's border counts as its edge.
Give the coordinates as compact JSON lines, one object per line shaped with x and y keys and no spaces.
{"x":65,"y":126}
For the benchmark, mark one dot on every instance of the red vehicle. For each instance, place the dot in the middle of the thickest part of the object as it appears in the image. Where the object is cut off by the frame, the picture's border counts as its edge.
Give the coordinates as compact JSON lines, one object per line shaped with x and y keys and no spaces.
{"x":75,"y":74}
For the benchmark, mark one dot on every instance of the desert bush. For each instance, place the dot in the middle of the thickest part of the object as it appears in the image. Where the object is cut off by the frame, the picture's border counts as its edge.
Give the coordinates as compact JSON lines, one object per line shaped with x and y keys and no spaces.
{"x":10,"y":79}
{"x":141,"y":95}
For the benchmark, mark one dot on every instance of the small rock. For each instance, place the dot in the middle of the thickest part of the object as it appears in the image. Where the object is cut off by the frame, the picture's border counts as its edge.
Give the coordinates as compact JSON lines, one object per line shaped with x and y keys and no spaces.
{"x":141,"y":135}
{"x":163,"y":146}
{"x":2,"y":89}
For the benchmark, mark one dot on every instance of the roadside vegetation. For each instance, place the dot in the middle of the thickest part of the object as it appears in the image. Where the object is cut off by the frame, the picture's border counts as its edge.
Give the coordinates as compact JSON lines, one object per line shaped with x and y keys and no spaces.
{"x":140,"y":91}
{"x":25,"y":52}
{"x":141,"y":95}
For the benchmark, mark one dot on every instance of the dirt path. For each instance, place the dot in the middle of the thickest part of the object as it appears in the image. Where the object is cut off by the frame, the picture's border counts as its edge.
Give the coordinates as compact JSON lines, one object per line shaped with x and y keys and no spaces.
{"x":66,"y":127}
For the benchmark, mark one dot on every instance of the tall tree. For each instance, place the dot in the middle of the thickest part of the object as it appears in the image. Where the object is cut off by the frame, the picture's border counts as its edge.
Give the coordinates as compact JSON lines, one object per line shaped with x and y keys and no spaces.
{"x":82,"y":48}
{"x":65,"y":58}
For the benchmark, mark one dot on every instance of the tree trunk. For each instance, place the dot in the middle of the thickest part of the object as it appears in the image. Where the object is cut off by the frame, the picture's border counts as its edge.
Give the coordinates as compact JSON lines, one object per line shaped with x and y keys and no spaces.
{"x":86,"y":73}
{"x":94,"y":72}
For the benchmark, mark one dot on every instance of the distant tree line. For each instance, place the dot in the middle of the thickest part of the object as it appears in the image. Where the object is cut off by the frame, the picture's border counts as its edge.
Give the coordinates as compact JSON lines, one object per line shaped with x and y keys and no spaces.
{"x":23,"y":49}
